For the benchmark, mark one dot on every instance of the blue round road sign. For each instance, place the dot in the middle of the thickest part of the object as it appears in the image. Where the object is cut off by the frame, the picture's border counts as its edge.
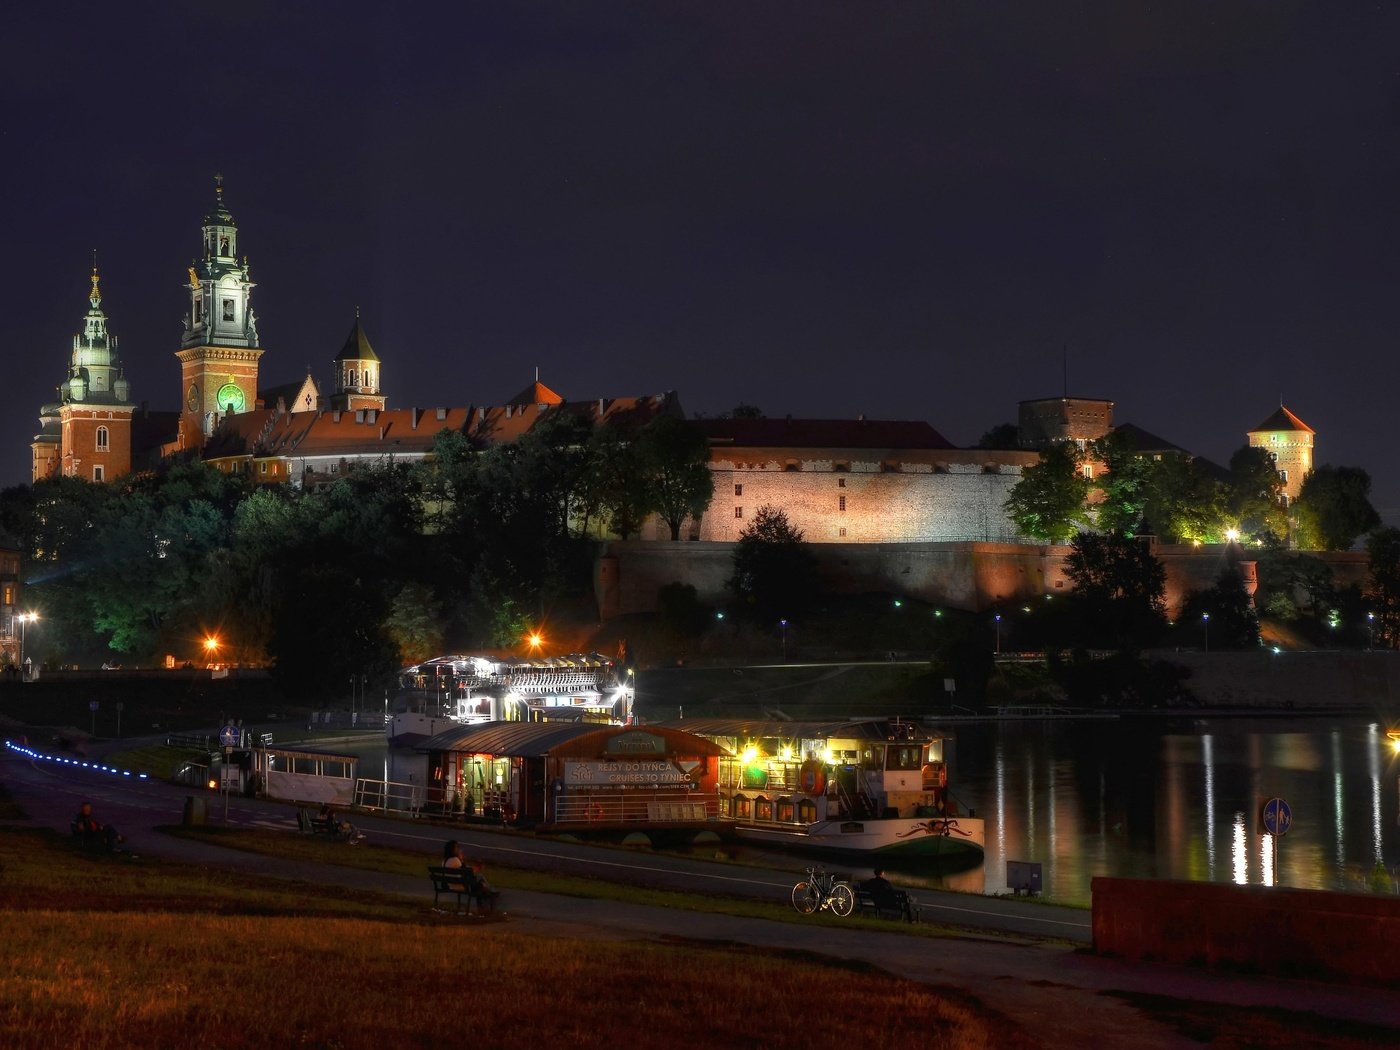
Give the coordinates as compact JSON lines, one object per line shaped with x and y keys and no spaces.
{"x":1278,"y":818}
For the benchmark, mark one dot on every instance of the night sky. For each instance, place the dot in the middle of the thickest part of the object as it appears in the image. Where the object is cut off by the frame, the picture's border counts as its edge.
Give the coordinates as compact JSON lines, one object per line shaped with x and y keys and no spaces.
{"x":907,"y":211}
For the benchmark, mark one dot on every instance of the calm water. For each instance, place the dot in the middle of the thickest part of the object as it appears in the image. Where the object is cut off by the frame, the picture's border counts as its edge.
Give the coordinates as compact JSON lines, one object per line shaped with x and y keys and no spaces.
{"x":1169,"y":800}
{"x":1157,"y":799}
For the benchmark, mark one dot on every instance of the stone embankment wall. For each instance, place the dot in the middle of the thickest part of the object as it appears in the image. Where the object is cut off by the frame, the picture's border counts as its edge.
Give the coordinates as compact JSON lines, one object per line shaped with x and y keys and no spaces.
{"x":1272,"y":681}
{"x":1262,"y":929}
{"x":973,"y":576}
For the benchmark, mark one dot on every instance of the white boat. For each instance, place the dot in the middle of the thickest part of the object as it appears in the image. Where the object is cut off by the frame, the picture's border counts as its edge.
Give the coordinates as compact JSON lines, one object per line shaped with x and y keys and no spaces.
{"x":449,"y":691}
{"x":860,"y":788}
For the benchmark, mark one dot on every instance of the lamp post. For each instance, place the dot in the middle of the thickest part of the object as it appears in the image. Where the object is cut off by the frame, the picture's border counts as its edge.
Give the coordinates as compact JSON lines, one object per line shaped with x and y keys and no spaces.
{"x":1371,"y":631}
{"x":782,"y":624}
{"x":997,"y":620}
{"x":24,"y":619}
{"x":1205,"y":624}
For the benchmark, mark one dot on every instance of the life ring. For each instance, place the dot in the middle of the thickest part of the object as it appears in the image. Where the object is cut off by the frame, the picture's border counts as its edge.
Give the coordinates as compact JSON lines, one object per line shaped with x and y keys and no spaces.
{"x":812,"y":778}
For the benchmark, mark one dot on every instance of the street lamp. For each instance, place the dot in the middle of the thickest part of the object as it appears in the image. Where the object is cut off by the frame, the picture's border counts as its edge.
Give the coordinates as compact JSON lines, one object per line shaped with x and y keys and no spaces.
{"x":783,"y":625}
{"x":1371,"y":631}
{"x":211,"y":647}
{"x":24,"y":618}
{"x":1205,"y":622}
{"x":997,"y":619}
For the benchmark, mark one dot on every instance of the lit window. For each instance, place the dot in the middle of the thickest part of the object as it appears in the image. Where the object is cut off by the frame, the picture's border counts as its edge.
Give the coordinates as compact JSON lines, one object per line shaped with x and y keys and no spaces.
{"x":841,"y":531}
{"x":843,"y":503}
{"x":262,"y":467}
{"x":98,"y":474}
{"x":101,"y":439}
{"x":738,"y":512}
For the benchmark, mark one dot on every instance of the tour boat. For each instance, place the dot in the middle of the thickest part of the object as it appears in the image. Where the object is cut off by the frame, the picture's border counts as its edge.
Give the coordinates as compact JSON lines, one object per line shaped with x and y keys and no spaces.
{"x":862,"y":788}
{"x":449,"y":691}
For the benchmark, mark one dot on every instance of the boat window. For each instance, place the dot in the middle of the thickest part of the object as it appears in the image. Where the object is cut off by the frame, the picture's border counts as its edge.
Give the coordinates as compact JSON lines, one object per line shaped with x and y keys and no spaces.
{"x":935,"y":751}
{"x":872,"y":758}
{"x":763,"y":808}
{"x":904,"y":756}
{"x":806,"y":811}
{"x":785,"y":810}
{"x":743,"y":808}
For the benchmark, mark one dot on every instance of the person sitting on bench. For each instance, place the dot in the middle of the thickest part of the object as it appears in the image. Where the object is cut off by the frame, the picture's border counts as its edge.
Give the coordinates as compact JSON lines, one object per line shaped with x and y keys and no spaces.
{"x":92,"y":832}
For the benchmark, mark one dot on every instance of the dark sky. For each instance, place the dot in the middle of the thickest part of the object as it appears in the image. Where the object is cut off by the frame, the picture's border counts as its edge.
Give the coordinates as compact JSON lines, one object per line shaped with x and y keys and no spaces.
{"x":904,"y":210}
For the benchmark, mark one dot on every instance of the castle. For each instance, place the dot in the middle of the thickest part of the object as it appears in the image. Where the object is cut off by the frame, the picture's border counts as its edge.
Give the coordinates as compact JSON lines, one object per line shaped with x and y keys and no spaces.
{"x":840,"y":481}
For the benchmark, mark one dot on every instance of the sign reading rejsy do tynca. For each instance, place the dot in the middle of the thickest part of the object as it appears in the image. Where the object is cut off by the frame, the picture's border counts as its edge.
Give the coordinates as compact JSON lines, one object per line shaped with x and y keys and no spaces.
{"x":634,"y":772}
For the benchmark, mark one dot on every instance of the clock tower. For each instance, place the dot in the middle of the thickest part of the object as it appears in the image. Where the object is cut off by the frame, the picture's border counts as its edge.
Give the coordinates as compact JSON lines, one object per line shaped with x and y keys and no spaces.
{"x":219,"y":353}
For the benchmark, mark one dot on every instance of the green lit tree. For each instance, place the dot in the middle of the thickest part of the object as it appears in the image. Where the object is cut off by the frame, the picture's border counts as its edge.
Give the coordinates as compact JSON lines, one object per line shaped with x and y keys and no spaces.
{"x":1254,"y":495}
{"x":1048,"y":502}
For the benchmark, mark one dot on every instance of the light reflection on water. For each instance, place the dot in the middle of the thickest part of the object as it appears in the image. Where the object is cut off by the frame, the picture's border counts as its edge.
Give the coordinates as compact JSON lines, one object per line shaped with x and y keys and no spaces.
{"x":1140,"y":798}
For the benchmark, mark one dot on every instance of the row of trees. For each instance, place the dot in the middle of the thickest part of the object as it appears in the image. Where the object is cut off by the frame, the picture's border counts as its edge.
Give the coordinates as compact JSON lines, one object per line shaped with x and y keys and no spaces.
{"x":1177,"y":499}
{"x":379,"y":569}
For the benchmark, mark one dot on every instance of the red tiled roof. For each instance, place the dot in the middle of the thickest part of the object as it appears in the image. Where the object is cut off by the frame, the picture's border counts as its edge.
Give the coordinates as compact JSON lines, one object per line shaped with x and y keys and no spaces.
{"x":821,"y":433}
{"x":1283,"y":420}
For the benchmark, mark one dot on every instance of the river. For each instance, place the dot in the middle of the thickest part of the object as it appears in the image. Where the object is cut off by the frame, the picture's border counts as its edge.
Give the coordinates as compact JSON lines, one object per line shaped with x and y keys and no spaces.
{"x":1154,"y":798}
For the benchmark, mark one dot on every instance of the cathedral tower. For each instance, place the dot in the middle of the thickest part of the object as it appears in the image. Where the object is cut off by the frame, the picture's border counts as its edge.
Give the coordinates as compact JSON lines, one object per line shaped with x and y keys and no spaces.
{"x":86,"y":432}
{"x":357,"y":373}
{"x":220,"y":352}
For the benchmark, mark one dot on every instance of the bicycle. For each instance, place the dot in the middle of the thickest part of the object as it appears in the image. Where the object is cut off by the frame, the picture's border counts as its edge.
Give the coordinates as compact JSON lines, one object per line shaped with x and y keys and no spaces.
{"x":821,"y":890}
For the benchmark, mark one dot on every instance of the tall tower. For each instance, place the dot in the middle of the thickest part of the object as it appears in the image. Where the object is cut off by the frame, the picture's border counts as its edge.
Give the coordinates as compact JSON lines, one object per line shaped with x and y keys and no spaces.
{"x":357,"y":373}
{"x":87,"y":431}
{"x":220,"y":352}
{"x":1290,"y":442}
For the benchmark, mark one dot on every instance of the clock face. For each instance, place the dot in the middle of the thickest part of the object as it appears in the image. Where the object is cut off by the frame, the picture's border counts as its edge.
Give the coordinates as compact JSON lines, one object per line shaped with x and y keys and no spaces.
{"x":230,"y":396}
{"x":193,"y":398}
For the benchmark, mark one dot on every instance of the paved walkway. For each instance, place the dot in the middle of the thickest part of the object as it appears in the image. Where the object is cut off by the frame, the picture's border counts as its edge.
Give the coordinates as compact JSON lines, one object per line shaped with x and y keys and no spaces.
{"x":1056,"y":993}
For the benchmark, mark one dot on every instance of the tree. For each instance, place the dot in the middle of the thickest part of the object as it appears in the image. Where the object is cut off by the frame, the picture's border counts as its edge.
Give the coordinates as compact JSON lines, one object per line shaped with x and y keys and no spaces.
{"x":1123,"y":483}
{"x":1384,"y":590}
{"x":1334,"y":508}
{"x":1182,"y":503}
{"x":1048,"y":502}
{"x":1254,"y":495}
{"x":674,"y":457}
{"x":744,"y":410}
{"x":1233,"y":621}
{"x":1120,"y":587}
{"x":1001,"y":436}
{"x":774,"y":572}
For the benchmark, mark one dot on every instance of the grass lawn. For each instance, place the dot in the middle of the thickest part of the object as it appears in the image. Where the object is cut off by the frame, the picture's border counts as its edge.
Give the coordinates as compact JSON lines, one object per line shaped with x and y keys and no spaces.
{"x":106,"y":952}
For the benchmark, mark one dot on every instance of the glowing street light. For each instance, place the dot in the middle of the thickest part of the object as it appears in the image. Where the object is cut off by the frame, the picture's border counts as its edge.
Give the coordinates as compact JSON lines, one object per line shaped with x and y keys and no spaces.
{"x":1231,"y":535}
{"x":24,"y":618}
{"x":1371,"y":631}
{"x":783,"y":624}
{"x":997,"y":619}
{"x":1205,"y":623}
{"x":536,"y":640}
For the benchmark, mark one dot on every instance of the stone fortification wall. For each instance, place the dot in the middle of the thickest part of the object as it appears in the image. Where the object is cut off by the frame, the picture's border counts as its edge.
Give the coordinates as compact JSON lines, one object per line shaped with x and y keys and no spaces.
{"x":961,"y":575}
{"x":862,"y":498}
{"x":970,"y":576}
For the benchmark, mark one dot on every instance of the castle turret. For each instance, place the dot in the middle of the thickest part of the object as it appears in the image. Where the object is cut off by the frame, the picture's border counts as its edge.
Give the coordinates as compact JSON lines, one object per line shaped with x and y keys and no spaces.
{"x":219,"y":353}
{"x":86,"y":431}
{"x":1289,"y":442}
{"x":357,"y":373}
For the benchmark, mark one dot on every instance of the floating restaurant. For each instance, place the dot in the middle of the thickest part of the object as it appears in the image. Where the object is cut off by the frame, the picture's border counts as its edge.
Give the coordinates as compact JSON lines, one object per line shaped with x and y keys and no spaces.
{"x":571,"y":776}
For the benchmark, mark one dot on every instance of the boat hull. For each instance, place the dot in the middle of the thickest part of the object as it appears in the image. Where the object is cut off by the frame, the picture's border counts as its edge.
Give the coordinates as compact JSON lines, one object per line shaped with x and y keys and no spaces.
{"x":956,"y":839}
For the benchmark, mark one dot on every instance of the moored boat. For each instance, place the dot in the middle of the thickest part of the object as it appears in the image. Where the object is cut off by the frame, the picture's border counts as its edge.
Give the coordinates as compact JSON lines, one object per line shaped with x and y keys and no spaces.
{"x":860,"y":788}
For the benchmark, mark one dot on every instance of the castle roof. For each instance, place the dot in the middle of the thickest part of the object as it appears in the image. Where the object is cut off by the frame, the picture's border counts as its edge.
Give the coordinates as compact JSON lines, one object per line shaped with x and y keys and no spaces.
{"x":536,"y":394}
{"x":822,"y":433}
{"x":357,"y":346}
{"x":1283,"y":420}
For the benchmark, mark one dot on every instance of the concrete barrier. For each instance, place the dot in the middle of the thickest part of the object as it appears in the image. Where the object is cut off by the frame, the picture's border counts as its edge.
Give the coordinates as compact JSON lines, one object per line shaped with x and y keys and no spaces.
{"x":1255,"y":929}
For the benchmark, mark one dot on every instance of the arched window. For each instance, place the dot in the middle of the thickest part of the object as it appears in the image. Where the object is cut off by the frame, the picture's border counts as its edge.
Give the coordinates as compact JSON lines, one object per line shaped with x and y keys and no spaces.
{"x":351,"y":378}
{"x":101,"y":439}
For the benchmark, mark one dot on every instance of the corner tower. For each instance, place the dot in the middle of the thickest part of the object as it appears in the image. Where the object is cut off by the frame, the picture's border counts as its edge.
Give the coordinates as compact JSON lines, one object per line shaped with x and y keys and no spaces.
{"x":219,"y":353}
{"x":86,"y":432}
{"x":357,"y":373}
{"x":1289,"y":441}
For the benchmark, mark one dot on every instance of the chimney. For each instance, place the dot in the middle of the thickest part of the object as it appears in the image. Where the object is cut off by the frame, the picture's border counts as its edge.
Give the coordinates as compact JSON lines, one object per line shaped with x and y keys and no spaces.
{"x":335,"y":416}
{"x":442,"y":415}
{"x":413,"y":415}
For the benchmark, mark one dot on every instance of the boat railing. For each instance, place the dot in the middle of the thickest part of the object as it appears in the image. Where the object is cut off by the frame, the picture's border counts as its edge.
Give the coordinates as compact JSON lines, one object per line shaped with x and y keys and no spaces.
{"x":651,"y":808}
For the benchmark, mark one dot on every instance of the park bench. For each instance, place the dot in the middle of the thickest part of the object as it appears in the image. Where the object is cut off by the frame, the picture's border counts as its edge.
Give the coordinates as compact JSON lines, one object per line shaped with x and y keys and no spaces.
{"x":462,"y":882}
{"x":891,"y":904}
{"x":310,"y":825}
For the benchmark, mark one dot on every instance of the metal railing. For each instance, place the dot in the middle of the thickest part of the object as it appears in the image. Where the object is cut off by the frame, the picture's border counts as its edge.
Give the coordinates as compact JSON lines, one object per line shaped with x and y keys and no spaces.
{"x":669,"y":808}
{"x":389,"y":795}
